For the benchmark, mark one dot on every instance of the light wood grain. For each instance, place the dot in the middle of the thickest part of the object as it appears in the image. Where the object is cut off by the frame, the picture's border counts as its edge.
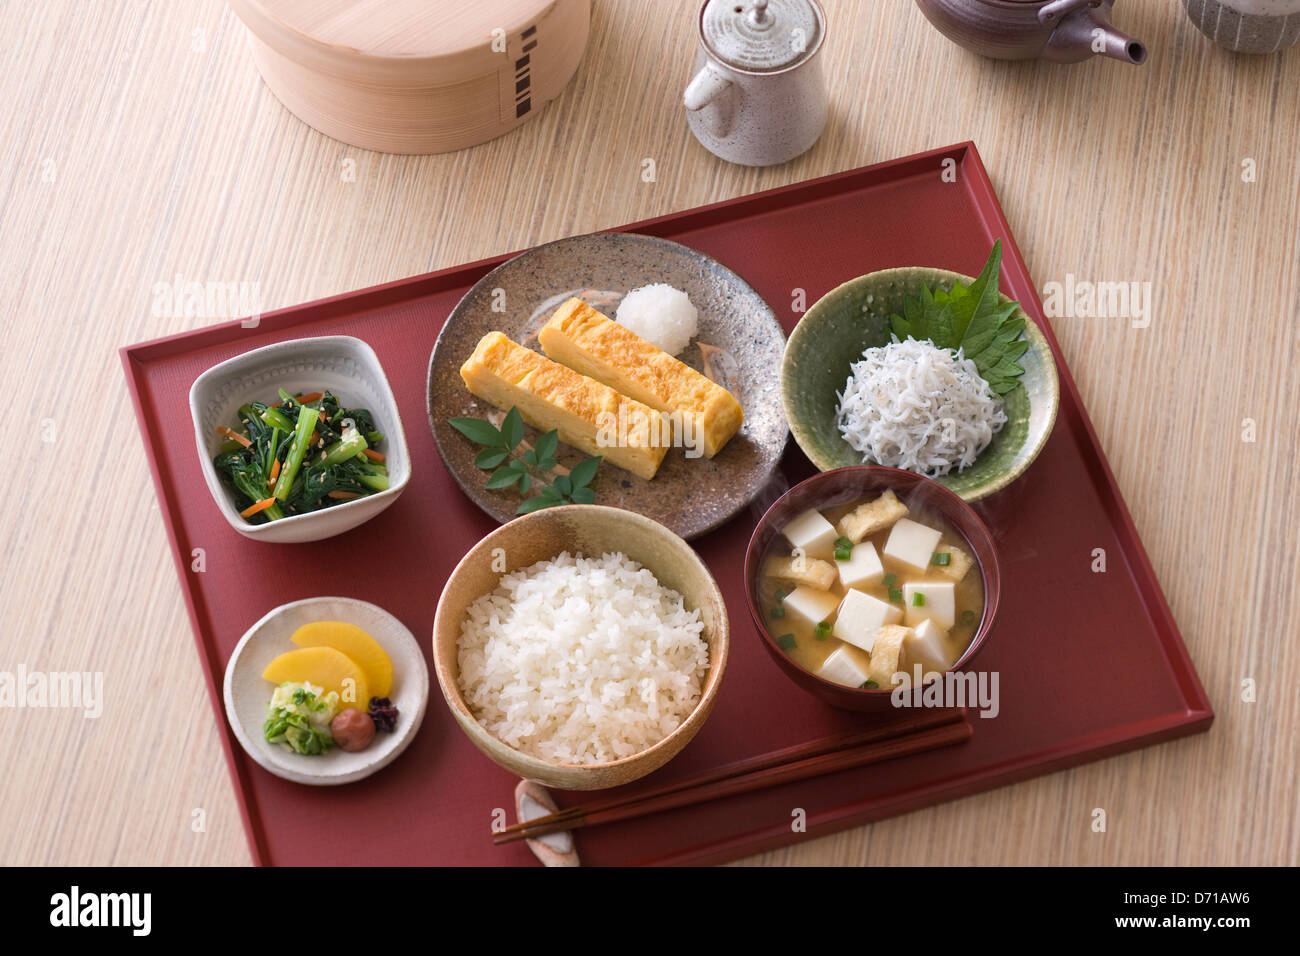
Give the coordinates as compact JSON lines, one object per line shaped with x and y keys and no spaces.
{"x":170,"y":157}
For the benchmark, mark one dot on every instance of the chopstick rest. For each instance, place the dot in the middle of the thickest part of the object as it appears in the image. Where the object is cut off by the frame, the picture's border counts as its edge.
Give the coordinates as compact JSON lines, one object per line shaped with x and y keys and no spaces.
{"x":532,"y":800}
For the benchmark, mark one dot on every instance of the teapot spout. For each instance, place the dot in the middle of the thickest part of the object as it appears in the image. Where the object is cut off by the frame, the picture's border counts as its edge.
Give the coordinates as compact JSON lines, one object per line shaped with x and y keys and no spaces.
{"x":1084,"y":30}
{"x":1120,"y":46}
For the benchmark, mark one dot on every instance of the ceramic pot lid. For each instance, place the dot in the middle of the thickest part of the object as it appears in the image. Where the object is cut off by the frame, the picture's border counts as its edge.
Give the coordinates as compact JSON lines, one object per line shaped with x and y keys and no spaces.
{"x":761,"y":36}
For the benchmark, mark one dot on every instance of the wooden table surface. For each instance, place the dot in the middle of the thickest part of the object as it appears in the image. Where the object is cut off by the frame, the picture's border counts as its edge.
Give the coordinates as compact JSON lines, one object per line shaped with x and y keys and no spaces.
{"x":139,"y":145}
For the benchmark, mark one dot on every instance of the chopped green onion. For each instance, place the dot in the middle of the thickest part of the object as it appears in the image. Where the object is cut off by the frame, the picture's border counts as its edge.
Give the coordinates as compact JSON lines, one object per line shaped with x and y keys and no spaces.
{"x":918,"y":599}
{"x":844,"y":543}
{"x":895,"y":594}
{"x":785,"y":641}
{"x":843,"y":554}
{"x":823,"y":630}
{"x":891,"y":580}
{"x":780,"y":595}
{"x":778,"y":612}
{"x":968,"y":617}
{"x":869,"y":685}
{"x":942,"y":559}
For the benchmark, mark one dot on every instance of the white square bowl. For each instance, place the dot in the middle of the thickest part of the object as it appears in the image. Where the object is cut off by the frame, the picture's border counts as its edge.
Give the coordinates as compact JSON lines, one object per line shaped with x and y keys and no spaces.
{"x":344,"y":365}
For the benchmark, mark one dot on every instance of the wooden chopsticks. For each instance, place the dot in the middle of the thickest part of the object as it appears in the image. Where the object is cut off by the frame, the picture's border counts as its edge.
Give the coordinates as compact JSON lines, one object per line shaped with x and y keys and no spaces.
{"x":914,"y":733}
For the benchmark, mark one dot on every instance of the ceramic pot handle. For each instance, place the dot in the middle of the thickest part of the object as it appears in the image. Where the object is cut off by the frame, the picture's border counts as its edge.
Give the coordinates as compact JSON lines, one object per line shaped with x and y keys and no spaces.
{"x":708,"y":87}
{"x":1050,"y":14}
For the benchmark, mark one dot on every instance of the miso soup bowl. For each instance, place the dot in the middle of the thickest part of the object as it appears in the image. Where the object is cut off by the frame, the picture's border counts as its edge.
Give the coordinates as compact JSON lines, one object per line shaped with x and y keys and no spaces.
{"x":590,"y":530}
{"x":842,"y":486}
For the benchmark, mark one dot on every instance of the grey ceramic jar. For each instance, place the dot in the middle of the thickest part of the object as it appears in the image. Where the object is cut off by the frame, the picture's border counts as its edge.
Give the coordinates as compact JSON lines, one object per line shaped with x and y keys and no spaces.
{"x":1247,"y":26}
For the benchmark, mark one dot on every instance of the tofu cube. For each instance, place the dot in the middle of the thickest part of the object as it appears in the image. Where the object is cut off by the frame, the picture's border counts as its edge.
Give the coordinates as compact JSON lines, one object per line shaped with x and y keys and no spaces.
{"x":912,"y":543}
{"x":812,"y":605}
{"x":924,"y":646}
{"x":812,"y":533}
{"x":940,"y":603}
{"x":959,"y":562}
{"x":872,"y":517}
{"x":842,"y":668}
{"x":810,"y":571}
{"x":884,"y":659}
{"x":863,"y":568}
{"x":861,"y":616}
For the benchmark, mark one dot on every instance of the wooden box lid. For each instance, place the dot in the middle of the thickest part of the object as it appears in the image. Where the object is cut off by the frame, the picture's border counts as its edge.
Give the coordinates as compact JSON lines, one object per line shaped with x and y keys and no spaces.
{"x":415,"y":76}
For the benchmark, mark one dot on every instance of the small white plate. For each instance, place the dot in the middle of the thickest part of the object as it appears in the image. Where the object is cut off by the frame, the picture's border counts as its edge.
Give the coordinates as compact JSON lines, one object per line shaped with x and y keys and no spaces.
{"x":246,"y":693}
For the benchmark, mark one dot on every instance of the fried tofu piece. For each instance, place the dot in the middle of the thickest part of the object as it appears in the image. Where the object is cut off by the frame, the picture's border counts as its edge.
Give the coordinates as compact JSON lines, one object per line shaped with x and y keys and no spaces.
{"x":958,"y":564}
{"x":548,"y":396}
{"x":885,"y":653}
{"x":810,"y":571}
{"x":596,"y":345}
{"x":874,"y":516}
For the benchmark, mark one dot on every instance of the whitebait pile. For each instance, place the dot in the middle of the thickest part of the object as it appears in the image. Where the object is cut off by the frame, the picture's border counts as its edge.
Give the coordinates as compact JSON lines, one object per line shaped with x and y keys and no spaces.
{"x":912,"y":405}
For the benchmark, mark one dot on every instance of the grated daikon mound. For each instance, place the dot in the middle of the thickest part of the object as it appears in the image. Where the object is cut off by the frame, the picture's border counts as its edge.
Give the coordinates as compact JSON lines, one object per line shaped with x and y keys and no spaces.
{"x":582,"y":660}
{"x":660,"y":314}
{"x":913,"y":405}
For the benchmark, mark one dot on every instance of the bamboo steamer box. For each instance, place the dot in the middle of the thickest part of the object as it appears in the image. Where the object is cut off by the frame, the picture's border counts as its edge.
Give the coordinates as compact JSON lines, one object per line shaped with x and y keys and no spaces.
{"x":415,"y":76}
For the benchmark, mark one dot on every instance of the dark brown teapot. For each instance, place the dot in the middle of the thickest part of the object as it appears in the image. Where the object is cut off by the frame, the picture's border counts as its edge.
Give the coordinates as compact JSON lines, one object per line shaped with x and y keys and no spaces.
{"x":1064,"y":31}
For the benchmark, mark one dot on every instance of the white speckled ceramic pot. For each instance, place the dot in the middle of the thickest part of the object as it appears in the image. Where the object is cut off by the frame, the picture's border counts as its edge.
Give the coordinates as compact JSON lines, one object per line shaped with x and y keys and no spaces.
{"x":758,"y":96}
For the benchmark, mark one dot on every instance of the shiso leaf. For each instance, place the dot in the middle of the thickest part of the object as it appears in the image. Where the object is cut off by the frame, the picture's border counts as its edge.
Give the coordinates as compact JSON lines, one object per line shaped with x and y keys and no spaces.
{"x":583,"y":496}
{"x":973,"y":319}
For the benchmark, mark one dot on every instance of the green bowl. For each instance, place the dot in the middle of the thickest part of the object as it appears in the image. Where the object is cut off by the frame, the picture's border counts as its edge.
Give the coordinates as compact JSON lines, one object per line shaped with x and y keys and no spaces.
{"x":855,"y":316}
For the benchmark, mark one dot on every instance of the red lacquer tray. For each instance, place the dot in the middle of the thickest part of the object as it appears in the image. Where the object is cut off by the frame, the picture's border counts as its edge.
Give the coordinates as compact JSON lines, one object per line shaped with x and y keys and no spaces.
{"x":435,"y":805}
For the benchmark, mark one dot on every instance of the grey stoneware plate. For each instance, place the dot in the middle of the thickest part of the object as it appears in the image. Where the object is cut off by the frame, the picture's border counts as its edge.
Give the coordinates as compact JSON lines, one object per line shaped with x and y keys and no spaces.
{"x":246,"y":693}
{"x":855,"y":316}
{"x":739,"y":345}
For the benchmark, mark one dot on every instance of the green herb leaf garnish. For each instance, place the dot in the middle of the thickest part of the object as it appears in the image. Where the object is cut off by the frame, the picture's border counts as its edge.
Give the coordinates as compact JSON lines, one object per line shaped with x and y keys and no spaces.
{"x":971,"y":318}
{"x":530,"y":469}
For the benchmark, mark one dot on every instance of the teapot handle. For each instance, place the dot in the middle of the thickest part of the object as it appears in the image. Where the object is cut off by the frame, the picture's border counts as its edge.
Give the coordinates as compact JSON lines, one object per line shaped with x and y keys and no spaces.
{"x":1052,"y":13}
{"x":708,"y":87}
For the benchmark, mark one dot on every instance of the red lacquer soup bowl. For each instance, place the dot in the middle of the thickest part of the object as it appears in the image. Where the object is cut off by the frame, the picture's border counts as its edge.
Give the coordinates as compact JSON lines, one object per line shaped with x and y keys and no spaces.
{"x":843,"y":486}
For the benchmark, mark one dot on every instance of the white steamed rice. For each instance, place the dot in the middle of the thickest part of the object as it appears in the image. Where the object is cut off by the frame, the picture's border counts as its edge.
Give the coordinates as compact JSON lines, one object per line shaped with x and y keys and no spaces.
{"x":582,"y":660}
{"x":660,"y":314}
{"x":913,"y":405}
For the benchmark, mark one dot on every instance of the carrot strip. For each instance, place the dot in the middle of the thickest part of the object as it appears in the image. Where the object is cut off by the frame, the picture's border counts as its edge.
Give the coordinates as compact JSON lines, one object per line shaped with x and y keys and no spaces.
{"x":310,"y":397}
{"x":372,"y":454}
{"x":233,"y":435}
{"x":260,"y":506}
{"x":275,"y":473}
{"x":343,"y":495}
{"x":322,"y":414}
